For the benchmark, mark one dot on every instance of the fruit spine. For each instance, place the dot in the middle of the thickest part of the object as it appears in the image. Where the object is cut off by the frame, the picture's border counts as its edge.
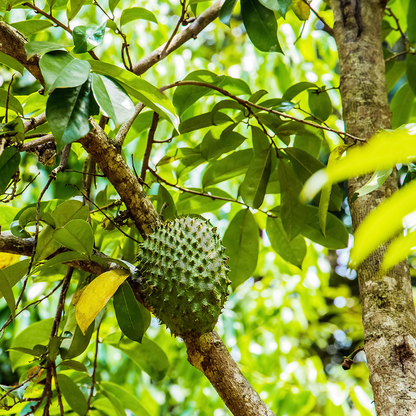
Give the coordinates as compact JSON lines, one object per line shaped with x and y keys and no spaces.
{"x":183,"y":275}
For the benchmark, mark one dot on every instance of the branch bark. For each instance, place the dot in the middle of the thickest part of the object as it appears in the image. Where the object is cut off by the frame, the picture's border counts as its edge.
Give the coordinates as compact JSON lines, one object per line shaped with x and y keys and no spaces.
{"x":387,"y":302}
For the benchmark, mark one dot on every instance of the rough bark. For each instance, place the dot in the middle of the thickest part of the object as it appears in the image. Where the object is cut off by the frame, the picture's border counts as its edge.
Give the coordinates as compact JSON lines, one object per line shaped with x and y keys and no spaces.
{"x":387,"y":302}
{"x":219,"y":367}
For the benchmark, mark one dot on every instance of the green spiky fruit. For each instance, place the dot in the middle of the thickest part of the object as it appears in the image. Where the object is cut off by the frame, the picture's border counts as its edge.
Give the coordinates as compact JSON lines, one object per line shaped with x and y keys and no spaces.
{"x":183,"y":275}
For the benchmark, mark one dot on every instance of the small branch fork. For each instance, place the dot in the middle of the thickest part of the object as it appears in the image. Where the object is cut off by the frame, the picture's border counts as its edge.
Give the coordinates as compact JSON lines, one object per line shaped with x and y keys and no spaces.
{"x":249,"y":105}
{"x":398,"y":29}
{"x":328,"y":29}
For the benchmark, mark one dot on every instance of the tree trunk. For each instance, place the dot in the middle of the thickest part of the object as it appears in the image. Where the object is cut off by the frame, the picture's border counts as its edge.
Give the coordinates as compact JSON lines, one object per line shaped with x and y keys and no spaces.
{"x":389,"y":318}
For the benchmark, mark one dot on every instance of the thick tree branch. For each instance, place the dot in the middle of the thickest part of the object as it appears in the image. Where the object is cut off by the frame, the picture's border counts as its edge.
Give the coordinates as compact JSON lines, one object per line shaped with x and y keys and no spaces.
{"x":191,"y":32}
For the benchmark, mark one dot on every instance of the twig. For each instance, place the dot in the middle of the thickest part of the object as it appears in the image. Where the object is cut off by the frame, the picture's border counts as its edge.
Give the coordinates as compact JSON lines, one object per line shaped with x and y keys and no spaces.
{"x":85,"y":173}
{"x":328,"y":29}
{"x":108,"y":206}
{"x":31,"y":377}
{"x":249,"y":104}
{"x":58,"y":389}
{"x":37,"y":142}
{"x":35,"y":122}
{"x":94,"y":369}
{"x":152,"y":131}
{"x":7,"y":99}
{"x":399,"y":29}
{"x":175,"y":31}
{"x":347,"y":363}
{"x":398,"y":54}
{"x":105,"y":215}
{"x":190,"y":191}
{"x":89,"y":176}
{"x":124,"y":129}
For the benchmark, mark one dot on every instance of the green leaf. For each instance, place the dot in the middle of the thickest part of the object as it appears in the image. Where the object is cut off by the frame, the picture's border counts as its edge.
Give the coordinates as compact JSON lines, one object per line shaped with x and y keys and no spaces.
{"x":134,"y":13}
{"x":72,"y":394}
{"x":398,"y":250}
{"x":291,"y":250}
{"x":61,"y":70}
{"x":362,"y":402}
{"x":296,"y":89}
{"x":320,"y":104}
{"x":112,"y":4}
{"x":77,"y":235}
{"x":148,"y":356}
{"x":29,"y":27}
{"x":336,"y":235}
{"x":36,"y":333}
{"x":261,"y":26}
{"x":69,"y":210}
{"x":411,"y":71}
{"x":201,"y":121}
{"x":128,"y":313}
{"x":74,"y":365}
{"x":242,"y":242}
{"x":227,"y":104}
{"x":11,"y":62}
{"x":116,"y":403}
{"x":164,"y":197}
{"x":260,"y":140}
{"x":18,"y":231}
{"x":226,"y":11}
{"x":179,"y":153}
{"x":9,"y":163}
{"x":253,"y":188}
{"x":15,"y":272}
{"x":395,"y":74}
{"x":293,"y":212}
{"x":112,"y":98}
{"x":37,"y":351}
{"x":30,"y":216}
{"x":382,"y":223}
{"x":229,"y":167}
{"x":194,"y":204}
{"x":411,"y":22}
{"x":86,"y":38}
{"x":75,"y":342}
{"x":140,"y":89}
{"x":47,"y":245}
{"x":284,"y":6}
{"x":35,"y":47}
{"x":62,"y":258}
{"x":68,"y":111}
{"x":73,"y":7}
{"x":402,"y":105}
{"x":219,"y":141}
{"x":7,"y":292}
{"x":7,"y":214}
{"x":11,"y":102}
{"x":129,"y":400}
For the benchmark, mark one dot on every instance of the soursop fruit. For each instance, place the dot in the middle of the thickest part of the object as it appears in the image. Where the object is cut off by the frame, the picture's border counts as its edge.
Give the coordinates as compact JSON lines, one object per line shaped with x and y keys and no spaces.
{"x":182,"y":273}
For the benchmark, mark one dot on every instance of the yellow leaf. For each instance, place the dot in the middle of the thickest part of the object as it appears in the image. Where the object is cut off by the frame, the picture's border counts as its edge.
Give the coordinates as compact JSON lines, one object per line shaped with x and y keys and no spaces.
{"x":301,"y":9}
{"x":382,"y":151}
{"x":398,"y":250}
{"x":8,"y":259}
{"x":96,"y":295}
{"x":383,"y":223}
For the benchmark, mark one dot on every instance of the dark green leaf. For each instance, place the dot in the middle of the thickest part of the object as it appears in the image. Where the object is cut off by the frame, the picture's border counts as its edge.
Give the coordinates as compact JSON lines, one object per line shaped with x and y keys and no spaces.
{"x":61,"y":70}
{"x":112,"y":4}
{"x":29,"y":27}
{"x":232,"y":85}
{"x":253,"y":188}
{"x":278,"y":104}
{"x":87,"y":38}
{"x":36,"y":351}
{"x":309,"y":144}
{"x":73,"y":395}
{"x":18,"y":231}
{"x":402,"y":105}
{"x":294,"y":250}
{"x":11,"y":102}
{"x":77,"y":235}
{"x":296,"y":89}
{"x":411,"y":22}
{"x":201,"y":121}
{"x":213,"y":147}
{"x":271,"y":4}
{"x":261,"y":26}
{"x":69,"y":210}
{"x":32,"y":48}
{"x":227,"y":168}
{"x":194,"y":204}
{"x":9,"y":163}
{"x":128,"y":313}
{"x":411,"y":71}
{"x":293,"y":213}
{"x":242,"y":242}
{"x":164,"y":197}
{"x":228,"y":104}
{"x":273,"y":122}
{"x":30,"y":216}
{"x":257,"y":95}
{"x":336,"y":235}
{"x":68,"y":111}
{"x":74,"y":365}
{"x":260,"y":140}
{"x":112,"y":98}
{"x":179,"y":154}
{"x":395,"y":73}
{"x":226,"y":11}
{"x":320,"y":104}
{"x":11,"y":62}
{"x":284,"y":6}
{"x":134,"y":13}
